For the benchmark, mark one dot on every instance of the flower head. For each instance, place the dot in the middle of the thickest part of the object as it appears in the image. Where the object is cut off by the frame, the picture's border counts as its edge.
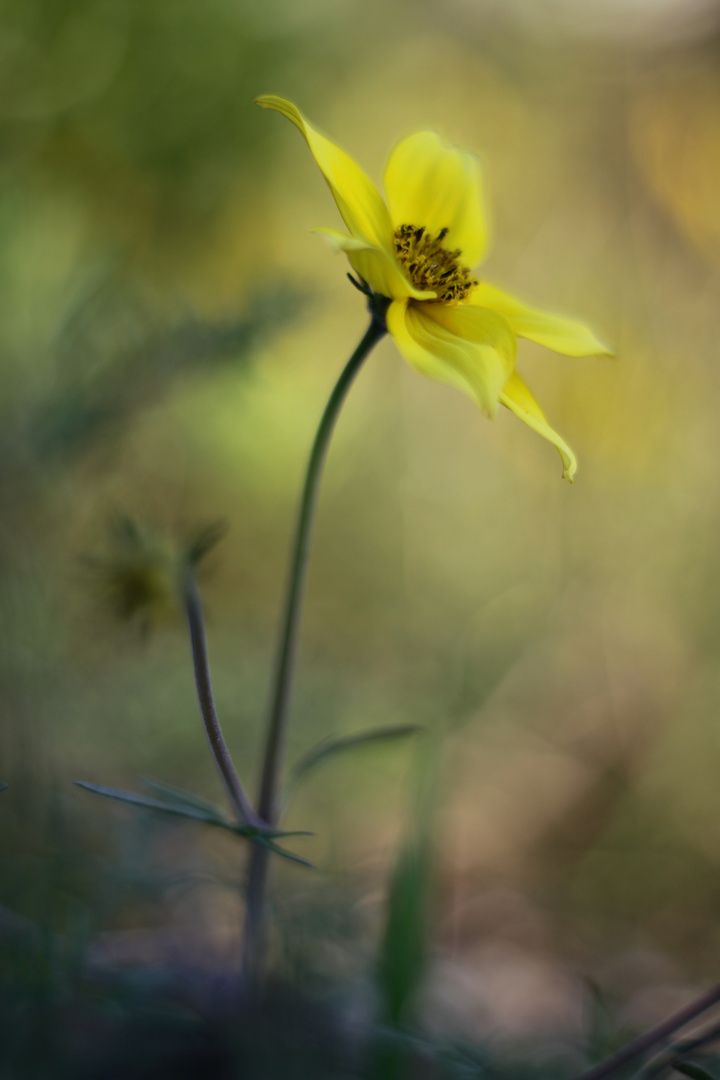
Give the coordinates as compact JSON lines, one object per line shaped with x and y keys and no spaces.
{"x":418,"y":251}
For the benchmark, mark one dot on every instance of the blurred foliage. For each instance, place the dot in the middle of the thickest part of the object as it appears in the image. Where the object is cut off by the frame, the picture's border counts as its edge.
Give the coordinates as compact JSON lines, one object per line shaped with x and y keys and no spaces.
{"x":139,"y":105}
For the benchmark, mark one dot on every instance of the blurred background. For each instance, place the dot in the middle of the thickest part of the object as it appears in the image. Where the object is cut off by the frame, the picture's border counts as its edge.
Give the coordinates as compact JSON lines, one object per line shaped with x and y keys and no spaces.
{"x":170,"y":330}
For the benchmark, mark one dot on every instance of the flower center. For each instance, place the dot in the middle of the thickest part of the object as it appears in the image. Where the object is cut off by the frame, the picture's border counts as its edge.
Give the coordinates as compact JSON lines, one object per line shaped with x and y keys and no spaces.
{"x":431,"y":266}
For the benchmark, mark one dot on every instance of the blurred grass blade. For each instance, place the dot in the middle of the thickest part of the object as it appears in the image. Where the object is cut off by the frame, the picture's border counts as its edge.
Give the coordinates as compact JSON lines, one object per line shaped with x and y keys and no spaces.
{"x":403,"y":952}
{"x":695,"y":1072}
{"x":2,"y":786}
{"x":328,"y":748}
{"x":212,"y":817}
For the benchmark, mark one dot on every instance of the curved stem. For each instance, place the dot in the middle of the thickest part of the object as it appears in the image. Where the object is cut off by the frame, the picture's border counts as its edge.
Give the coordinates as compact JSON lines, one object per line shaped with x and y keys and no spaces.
{"x":193,"y":606}
{"x":677,"y":1051}
{"x":268,"y":808}
{"x":651,"y":1038}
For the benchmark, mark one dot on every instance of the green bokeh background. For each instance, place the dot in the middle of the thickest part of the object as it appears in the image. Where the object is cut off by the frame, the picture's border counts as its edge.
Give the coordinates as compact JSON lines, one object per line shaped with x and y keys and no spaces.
{"x":169,"y":332}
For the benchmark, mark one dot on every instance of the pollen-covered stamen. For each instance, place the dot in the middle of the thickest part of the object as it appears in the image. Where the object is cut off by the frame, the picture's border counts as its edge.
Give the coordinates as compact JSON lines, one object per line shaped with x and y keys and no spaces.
{"x":431,"y":266}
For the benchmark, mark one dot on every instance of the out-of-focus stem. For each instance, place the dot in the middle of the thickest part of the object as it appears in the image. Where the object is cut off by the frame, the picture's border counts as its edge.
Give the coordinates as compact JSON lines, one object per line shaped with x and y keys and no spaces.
{"x":240,"y":802}
{"x":268,"y":802}
{"x":678,"y":1051}
{"x":651,"y":1038}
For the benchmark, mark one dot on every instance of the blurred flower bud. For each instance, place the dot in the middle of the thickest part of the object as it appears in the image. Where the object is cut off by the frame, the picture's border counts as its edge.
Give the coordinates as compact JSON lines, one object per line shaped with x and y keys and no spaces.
{"x":140,"y":578}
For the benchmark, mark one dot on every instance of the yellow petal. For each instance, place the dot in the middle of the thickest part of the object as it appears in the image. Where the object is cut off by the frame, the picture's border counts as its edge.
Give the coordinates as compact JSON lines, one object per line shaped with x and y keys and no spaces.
{"x":339,"y":241}
{"x":357,"y":198}
{"x":375,"y":265}
{"x":554,"y":331}
{"x":469,"y":348}
{"x":428,"y":183}
{"x":518,"y":399}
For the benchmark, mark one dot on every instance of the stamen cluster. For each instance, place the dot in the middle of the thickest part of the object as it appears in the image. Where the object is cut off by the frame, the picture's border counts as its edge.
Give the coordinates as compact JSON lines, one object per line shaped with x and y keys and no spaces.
{"x":429,"y":265}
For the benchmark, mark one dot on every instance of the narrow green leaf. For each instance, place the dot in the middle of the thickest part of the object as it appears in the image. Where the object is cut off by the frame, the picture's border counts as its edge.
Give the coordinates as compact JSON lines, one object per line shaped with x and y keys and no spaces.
{"x":156,"y":804}
{"x":205,"y":540}
{"x":283,"y":853}
{"x":199,"y":810}
{"x":329,"y":747}
{"x":403,"y":953}
{"x":404,"y":947}
{"x":178,"y":797}
{"x":251,"y":831}
{"x":695,"y":1072}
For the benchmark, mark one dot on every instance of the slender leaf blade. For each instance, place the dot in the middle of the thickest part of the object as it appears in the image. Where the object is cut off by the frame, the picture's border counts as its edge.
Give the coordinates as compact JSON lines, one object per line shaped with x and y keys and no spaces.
{"x":330,"y":747}
{"x":695,"y":1072}
{"x":205,"y":540}
{"x":177,"y":797}
{"x":251,"y":831}
{"x":155,"y":804}
{"x":404,"y":948}
{"x":290,"y":855}
{"x":200,"y":813}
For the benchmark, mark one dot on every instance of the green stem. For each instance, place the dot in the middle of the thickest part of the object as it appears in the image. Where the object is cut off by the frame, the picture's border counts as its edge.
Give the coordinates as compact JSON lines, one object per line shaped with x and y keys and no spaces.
{"x":268,"y":802}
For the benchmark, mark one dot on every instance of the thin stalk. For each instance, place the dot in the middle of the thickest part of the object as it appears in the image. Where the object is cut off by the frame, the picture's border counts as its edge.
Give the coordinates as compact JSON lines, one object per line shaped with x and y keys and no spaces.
{"x":651,"y":1038}
{"x":198,"y":640}
{"x":678,"y":1051}
{"x":268,"y":801}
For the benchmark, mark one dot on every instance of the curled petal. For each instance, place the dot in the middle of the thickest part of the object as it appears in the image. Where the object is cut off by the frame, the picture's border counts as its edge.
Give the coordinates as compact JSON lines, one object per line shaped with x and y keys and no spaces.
{"x":339,"y":241}
{"x":469,"y":348}
{"x":357,"y":198}
{"x":518,"y":399}
{"x":554,"y":331}
{"x":439,"y":187}
{"x":374,"y":265}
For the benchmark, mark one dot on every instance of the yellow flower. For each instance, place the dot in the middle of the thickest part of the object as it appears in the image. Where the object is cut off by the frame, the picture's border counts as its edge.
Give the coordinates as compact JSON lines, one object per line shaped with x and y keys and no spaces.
{"x":417,"y":251}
